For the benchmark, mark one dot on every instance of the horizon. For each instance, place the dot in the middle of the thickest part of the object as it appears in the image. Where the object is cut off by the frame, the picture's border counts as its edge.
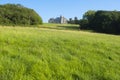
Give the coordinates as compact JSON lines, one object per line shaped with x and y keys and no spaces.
{"x":69,"y":9}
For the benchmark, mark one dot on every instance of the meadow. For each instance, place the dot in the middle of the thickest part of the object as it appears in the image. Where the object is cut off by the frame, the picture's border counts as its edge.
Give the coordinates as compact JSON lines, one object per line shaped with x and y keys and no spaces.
{"x":58,"y":52}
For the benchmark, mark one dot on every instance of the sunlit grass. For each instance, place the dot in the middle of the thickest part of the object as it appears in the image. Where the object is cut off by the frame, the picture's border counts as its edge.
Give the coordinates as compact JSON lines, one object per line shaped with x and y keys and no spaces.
{"x":53,"y":54}
{"x":60,"y":26}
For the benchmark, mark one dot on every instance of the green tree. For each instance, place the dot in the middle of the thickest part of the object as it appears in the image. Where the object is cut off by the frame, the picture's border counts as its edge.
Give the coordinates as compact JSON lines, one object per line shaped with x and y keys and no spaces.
{"x":84,"y":24}
{"x":16,"y":14}
{"x":89,"y":15}
{"x":71,"y":21}
{"x":76,"y":21}
{"x":101,"y":21}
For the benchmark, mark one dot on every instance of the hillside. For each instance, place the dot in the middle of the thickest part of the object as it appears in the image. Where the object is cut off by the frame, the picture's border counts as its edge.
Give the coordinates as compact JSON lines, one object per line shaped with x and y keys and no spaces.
{"x":46,"y":53}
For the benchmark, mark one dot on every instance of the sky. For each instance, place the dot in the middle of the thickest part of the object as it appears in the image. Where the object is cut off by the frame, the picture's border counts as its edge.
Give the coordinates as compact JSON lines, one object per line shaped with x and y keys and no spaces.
{"x":67,"y":8}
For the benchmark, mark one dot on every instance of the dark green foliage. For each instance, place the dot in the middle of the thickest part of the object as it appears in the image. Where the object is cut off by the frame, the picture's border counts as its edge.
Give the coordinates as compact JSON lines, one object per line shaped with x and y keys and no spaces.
{"x":106,"y":21}
{"x":76,"y":21}
{"x":16,"y":14}
{"x":84,"y":24}
{"x":89,"y":15}
{"x":73,"y":21}
{"x":103,"y":21}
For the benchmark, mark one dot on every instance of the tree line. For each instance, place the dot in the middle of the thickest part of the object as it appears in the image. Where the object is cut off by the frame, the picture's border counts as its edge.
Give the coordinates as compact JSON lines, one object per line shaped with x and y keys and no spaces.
{"x":16,"y":14}
{"x":101,"y":21}
{"x":74,"y":20}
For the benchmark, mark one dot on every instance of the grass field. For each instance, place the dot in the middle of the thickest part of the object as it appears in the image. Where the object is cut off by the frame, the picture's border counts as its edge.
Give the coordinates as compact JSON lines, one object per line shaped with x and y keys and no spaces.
{"x":50,"y":52}
{"x":60,"y":26}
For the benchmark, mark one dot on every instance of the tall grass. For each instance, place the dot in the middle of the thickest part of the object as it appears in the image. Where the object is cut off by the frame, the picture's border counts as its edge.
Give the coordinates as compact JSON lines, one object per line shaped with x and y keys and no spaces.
{"x":47,"y":54}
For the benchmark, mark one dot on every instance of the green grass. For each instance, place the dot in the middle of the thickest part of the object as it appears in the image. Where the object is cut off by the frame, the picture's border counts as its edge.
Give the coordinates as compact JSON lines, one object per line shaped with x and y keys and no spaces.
{"x":58,"y":54}
{"x":60,"y":26}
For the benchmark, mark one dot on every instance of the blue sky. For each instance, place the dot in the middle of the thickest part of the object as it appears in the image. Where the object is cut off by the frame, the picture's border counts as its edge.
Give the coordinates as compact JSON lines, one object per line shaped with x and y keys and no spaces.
{"x":68,"y":8}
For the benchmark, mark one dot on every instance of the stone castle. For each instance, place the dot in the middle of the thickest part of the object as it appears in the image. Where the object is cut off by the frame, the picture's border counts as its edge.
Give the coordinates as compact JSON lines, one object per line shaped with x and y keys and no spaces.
{"x":59,"y":20}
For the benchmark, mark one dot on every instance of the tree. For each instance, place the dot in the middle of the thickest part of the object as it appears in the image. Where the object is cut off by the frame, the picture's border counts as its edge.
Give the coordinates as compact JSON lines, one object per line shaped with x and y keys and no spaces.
{"x":76,"y":21}
{"x":16,"y":14}
{"x":89,"y":15}
{"x":70,"y":21}
{"x":73,"y":21}
{"x":84,"y":24}
{"x":101,"y":21}
{"x":106,"y":21}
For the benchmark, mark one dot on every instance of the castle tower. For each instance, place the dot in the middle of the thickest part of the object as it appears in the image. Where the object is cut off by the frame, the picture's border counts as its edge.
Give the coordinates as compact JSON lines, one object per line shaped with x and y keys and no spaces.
{"x":61,"y":19}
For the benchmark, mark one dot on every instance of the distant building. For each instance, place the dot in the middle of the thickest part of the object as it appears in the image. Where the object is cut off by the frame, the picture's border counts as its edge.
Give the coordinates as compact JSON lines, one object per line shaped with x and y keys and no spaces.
{"x":61,"y":20}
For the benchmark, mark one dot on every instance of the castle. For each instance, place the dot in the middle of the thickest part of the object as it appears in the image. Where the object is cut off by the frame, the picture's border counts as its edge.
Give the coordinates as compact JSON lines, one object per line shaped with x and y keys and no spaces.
{"x":60,"y":20}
